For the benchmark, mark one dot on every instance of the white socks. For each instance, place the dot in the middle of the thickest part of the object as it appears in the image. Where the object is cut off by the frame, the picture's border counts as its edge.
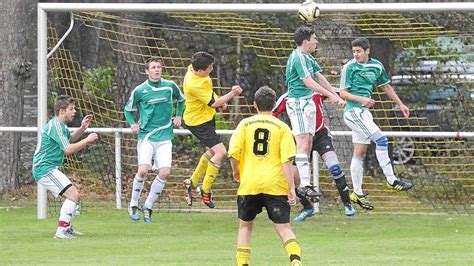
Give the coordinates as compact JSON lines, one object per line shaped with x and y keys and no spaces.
{"x":302,"y":164}
{"x":385,"y":164}
{"x":155,"y":191}
{"x":68,"y":209}
{"x":357,"y":172}
{"x":136,"y":190}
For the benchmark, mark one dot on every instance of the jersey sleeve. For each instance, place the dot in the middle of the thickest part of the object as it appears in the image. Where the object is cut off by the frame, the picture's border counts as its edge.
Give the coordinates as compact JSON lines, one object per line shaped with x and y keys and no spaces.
{"x":287,"y":141}
{"x":346,"y":73}
{"x":236,"y":142}
{"x":300,"y":66}
{"x":131,"y":106}
{"x":383,"y":78}
{"x":178,"y":95}
{"x":60,"y":134}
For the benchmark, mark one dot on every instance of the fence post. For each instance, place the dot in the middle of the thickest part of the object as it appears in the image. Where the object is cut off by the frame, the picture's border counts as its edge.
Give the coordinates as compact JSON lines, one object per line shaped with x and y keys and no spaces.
{"x":118,"y":172}
{"x":316,"y":178}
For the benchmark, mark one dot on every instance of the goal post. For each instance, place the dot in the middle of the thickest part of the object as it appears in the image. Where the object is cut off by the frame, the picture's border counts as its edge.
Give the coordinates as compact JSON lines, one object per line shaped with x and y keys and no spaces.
{"x":45,"y":8}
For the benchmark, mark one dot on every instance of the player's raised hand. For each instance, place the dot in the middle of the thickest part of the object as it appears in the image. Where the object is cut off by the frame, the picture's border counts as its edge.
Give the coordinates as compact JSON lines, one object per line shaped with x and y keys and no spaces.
{"x":236,"y":89}
{"x":86,"y":121}
{"x":177,"y":121}
{"x":92,"y":137}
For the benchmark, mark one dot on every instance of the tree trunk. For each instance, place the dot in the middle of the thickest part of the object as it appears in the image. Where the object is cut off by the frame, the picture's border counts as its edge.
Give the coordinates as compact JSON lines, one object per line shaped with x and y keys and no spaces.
{"x":15,"y":16}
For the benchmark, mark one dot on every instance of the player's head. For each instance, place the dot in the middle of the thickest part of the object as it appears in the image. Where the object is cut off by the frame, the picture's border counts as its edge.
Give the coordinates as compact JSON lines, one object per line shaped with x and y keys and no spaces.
{"x":264,"y":99}
{"x":305,"y":37}
{"x":202,"y":63}
{"x":361,"y":49}
{"x":153,"y":68}
{"x":64,"y":108}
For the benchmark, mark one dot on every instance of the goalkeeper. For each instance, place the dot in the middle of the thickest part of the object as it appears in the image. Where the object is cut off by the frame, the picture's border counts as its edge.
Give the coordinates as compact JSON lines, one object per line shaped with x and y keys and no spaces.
{"x":153,"y":99}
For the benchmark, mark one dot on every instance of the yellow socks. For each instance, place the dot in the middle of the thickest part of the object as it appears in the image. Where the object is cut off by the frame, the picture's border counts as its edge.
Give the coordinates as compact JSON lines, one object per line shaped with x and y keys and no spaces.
{"x":293,"y":250}
{"x":243,"y":255}
{"x":210,"y":177}
{"x":200,"y":169}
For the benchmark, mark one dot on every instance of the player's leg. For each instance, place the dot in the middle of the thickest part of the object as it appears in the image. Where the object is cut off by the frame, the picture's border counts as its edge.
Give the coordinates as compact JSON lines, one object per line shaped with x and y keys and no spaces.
{"x":381,"y":151}
{"x":278,"y":211}
{"x":322,"y":143}
{"x":191,"y":183}
{"x":59,"y":185}
{"x":145,"y":154}
{"x":162,"y":162}
{"x":302,"y":117}
{"x":307,"y":210}
{"x":248,"y":206}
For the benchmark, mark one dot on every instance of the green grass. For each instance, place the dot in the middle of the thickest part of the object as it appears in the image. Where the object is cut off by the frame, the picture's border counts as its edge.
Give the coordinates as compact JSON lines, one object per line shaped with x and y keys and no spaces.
{"x":209,"y":239}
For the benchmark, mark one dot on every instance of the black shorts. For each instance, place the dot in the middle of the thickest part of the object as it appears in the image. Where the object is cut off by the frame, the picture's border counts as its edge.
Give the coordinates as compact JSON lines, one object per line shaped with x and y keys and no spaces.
{"x":278,"y":208}
{"x":322,"y":142}
{"x":206,"y":133}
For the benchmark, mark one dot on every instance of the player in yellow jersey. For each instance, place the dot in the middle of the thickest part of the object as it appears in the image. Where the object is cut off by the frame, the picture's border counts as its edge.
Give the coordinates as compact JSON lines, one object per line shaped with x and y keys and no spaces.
{"x":261,"y":152}
{"x":199,"y":112}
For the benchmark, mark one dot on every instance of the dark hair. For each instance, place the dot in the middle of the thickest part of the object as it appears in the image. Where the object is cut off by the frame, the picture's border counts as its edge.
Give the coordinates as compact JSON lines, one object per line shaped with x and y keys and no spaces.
{"x":62,"y":102}
{"x":152,"y":59}
{"x":303,"y":33}
{"x":361,"y":42}
{"x":265,"y":98}
{"x":201,"y":61}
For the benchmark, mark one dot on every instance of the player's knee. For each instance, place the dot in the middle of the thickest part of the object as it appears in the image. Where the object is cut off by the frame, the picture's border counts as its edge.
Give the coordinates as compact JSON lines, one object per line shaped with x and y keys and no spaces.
{"x":335,"y":170}
{"x":164,"y":173}
{"x":72,"y":193}
{"x":382,"y":142}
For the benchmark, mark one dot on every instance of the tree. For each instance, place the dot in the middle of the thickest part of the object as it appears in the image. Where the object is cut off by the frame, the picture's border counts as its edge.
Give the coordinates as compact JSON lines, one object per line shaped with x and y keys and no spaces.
{"x":16,"y":17}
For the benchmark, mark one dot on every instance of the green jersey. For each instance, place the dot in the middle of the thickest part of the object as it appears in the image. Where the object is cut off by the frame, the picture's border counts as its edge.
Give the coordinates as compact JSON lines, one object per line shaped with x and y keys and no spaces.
{"x":360,"y":79}
{"x":299,"y":66}
{"x":154,"y":102}
{"x":49,"y":154}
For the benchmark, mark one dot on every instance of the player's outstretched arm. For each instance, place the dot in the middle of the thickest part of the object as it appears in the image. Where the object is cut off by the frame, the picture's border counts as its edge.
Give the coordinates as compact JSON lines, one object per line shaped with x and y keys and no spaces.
{"x":75,"y":147}
{"x":393,"y":95}
{"x":236,"y":90}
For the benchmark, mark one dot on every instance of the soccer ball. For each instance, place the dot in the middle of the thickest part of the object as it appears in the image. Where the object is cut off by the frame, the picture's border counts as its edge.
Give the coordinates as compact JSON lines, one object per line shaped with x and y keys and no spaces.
{"x":308,"y":11}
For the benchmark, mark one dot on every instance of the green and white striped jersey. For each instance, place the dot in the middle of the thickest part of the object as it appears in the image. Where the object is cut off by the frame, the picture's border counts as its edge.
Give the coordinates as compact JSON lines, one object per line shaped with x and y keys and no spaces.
{"x":360,"y":79}
{"x":154,"y":102}
{"x":299,"y":66}
{"x":49,"y":154}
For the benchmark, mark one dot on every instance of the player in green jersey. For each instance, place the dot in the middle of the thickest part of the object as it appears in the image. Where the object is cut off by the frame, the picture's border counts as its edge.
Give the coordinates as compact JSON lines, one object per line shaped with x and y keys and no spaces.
{"x":153,"y":99}
{"x":359,"y":76}
{"x":56,"y":141}
{"x":303,"y":78}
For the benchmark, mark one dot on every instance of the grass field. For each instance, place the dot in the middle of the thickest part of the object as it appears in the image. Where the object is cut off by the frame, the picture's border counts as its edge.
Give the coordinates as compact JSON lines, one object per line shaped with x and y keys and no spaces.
{"x":209,"y":239}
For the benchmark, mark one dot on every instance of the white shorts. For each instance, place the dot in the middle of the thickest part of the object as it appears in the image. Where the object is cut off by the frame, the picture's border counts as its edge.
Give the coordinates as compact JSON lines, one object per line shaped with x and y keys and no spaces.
{"x":56,"y":182}
{"x":302,"y":114}
{"x":361,"y":122}
{"x":155,"y":154}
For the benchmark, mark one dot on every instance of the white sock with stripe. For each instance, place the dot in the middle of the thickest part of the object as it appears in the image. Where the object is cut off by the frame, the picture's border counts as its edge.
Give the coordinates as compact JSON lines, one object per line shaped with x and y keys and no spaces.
{"x":302,"y":164}
{"x":155,"y":191}
{"x":136,"y":190}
